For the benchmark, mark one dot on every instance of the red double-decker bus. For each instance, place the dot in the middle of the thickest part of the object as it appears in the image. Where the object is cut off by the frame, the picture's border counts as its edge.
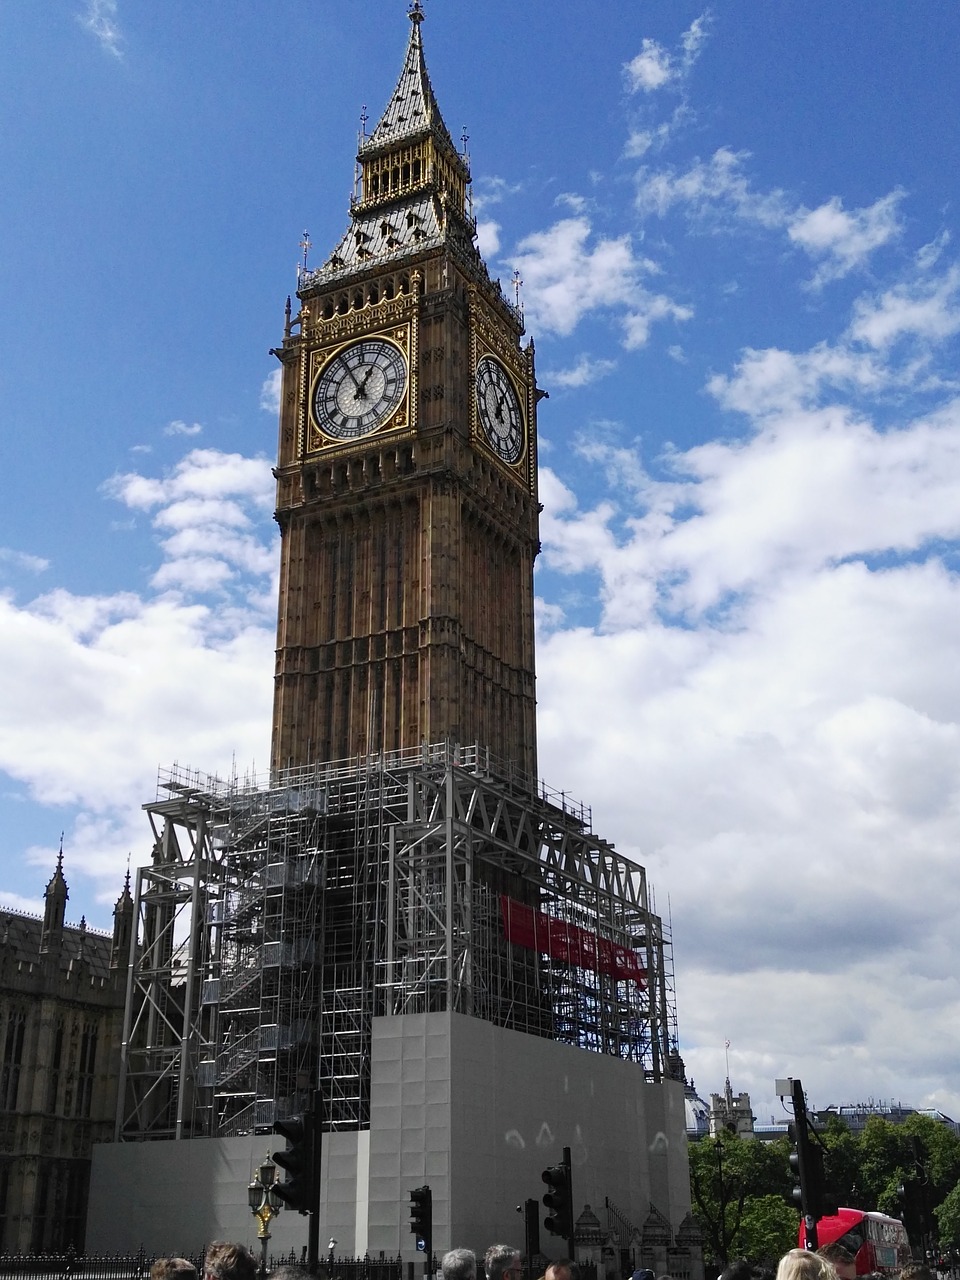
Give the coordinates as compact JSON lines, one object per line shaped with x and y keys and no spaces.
{"x":877,"y":1242}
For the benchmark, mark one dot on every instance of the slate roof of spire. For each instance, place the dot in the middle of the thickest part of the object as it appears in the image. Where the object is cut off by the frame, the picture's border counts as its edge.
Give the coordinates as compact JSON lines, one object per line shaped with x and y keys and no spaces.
{"x":20,"y":939}
{"x":413,"y":108}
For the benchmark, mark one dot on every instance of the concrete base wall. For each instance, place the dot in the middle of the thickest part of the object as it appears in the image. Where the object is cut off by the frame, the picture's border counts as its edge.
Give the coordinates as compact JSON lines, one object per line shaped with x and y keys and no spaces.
{"x":472,"y":1110}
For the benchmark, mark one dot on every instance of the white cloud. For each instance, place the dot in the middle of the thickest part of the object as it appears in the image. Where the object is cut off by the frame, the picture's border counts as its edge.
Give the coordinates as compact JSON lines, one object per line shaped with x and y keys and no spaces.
{"x":769,"y":707}
{"x":488,"y":239}
{"x":845,"y":240}
{"x":491,"y":189}
{"x":585,"y":370}
{"x":23,"y":560}
{"x":96,"y":691}
{"x":270,"y":391}
{"x":651,"y":69}
{"x":178,"y":428}
{"x":715,"y":186}
{"x":100,"y":19}
{"x":924,"y":308}
{"x":719,"y":193}
{"x":15,"y":902}
{"x":568,"y":273}
{"x":655,"y":67}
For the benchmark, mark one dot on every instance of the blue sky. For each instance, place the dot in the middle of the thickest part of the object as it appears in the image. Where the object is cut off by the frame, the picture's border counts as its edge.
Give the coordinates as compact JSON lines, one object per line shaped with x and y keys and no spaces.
{"x":736,"y":227}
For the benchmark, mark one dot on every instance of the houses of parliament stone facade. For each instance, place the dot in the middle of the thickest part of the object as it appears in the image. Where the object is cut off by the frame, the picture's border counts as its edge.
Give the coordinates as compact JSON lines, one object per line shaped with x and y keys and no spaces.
{"x":61,"y":1012}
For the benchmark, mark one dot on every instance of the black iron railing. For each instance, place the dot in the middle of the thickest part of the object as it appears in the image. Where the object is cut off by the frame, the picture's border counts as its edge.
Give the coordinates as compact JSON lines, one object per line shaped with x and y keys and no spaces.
{"x":136,"y":1266}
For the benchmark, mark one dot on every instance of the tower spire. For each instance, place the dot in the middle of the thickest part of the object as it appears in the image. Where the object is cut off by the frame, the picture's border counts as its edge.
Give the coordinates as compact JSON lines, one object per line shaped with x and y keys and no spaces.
{"x":54,"y":906}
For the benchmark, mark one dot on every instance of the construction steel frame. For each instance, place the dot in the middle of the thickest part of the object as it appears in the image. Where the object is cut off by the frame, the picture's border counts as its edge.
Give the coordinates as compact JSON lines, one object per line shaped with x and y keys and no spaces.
{"x":276,"y":921}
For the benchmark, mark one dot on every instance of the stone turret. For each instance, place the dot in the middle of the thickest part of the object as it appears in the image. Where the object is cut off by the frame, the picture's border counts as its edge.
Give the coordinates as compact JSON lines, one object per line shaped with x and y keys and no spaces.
{"x":54,"y":909}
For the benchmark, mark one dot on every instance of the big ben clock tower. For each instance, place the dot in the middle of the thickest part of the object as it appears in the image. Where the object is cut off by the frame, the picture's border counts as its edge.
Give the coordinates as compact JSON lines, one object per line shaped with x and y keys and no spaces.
{"x":406,"y":940}
{"x":406,"y":476}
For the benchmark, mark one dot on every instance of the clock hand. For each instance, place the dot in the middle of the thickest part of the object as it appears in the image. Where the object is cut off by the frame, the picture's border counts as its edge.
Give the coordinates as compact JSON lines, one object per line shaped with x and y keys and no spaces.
{"x":362,"y":386}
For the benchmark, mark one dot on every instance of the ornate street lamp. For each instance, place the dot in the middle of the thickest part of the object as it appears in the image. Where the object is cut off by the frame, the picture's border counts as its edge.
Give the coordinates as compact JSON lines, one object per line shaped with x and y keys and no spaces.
{"x":265,"y":1204}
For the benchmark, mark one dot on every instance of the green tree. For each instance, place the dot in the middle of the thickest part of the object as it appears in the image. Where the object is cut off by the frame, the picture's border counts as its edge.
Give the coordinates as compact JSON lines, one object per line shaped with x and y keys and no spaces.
{"x":768,"y":1228}
{"x":736,"y":1185}
{"x":947,"y":1214}
{"x":885,"y":1154}
{"x":841,"y":1163}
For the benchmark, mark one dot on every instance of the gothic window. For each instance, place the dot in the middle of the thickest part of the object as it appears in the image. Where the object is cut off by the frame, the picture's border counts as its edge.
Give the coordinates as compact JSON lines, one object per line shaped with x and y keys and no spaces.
{"x":5,"y":1246}
{"x":12,"y":1060}
{"x":56,"y":1060}
{"x":75,"y":1206}
{"x":41,"y":1208}
{"x":86,"y":1068}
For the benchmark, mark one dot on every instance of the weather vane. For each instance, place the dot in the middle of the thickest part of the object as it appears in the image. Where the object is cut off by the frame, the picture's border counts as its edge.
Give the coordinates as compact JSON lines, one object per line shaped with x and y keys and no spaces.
{"x":305,"y":245}
{"x":517,"y":283}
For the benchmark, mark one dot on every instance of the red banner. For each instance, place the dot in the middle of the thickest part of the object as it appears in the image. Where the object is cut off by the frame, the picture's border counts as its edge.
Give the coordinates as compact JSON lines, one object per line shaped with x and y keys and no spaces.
{"x":526,"y":927}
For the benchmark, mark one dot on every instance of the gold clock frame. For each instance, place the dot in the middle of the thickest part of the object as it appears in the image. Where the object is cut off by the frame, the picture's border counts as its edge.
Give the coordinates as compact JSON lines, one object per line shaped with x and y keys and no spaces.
{"x":317,"y":440}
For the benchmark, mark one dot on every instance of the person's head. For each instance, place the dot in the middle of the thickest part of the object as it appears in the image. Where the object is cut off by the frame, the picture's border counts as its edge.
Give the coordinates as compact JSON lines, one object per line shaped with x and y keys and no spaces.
{"x":803,"y":1264}
{"x":502,"y":1262}
{"x":173,"y":1269}
{"x":844,"y":1260}
{"x":739,"y":1269}
{"x":916,"y":1271}
{"x":225,"y":1261}
{"x":459,"y":1264}
{"x":564,"y":1269}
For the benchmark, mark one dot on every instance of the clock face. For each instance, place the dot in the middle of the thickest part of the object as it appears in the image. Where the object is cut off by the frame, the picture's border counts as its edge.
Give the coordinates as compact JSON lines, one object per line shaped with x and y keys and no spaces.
{"x":360,"y":388}
{"x":498,"y":408}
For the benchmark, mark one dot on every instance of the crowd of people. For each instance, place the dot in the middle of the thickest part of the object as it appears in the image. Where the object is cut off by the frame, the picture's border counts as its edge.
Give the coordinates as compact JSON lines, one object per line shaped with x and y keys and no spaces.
{"x":832,"y":1262}
{"x":502,"y":1262}
{"x":224,"y":1261}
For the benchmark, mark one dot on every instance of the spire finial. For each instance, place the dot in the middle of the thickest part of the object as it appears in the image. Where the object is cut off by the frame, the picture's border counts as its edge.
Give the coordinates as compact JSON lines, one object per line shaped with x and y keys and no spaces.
{"x":60,"y":855}
{"x":416,"y":13}
{"x":305,"y":245}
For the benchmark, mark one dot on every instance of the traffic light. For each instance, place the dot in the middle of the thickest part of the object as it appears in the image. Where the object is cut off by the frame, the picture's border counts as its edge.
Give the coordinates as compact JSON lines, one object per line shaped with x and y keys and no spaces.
{"x":822,"y":1202}
{"x":531,"y":1229}
{"x":297,"y":1161}
{"x":421,"y":1215}
{"x":810,"y":1192}
{"x":559,"y":1198}
{"x":796,"y":1194}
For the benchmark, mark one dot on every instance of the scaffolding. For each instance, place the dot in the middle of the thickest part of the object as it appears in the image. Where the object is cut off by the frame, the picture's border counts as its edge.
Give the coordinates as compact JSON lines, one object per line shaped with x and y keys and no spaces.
{"x":276,"y":920}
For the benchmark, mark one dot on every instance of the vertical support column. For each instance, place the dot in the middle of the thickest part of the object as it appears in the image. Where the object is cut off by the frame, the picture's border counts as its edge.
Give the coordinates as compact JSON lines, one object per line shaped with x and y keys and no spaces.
{"x":448,"y":872}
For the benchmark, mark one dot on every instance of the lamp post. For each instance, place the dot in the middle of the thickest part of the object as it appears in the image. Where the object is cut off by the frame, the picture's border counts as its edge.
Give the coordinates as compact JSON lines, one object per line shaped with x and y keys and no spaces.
{"x":330,"y":1247}
{"x":265,"y":1204}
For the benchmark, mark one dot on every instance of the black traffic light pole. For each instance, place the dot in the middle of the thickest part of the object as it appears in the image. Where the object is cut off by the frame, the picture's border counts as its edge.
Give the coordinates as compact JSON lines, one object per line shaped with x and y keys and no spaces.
{"x":805,"y":1169}
{"x":421,"y":1223}
{"x":559,"y":1200}
{"x":531,"y":1232}
{"x":313,"y":1227}
{"x":301,"y":1162}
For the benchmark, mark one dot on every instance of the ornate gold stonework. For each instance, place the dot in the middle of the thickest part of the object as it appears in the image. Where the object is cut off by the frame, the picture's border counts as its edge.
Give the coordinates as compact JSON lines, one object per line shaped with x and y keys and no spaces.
{"x":318,"y":360}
